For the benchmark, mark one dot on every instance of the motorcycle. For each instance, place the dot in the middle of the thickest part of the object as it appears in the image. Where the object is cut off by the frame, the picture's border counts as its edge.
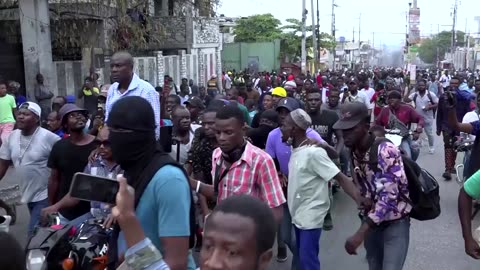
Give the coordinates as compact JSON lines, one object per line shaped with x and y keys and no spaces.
{"x":465,"y":145}
{"x":64,"y":247}
{"x":49,"y":245}
{"x":394,"y":135}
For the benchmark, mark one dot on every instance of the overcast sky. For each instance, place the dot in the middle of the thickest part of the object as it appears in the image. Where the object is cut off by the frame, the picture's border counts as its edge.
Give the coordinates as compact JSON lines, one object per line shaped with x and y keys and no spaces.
{"x":384,"y":17}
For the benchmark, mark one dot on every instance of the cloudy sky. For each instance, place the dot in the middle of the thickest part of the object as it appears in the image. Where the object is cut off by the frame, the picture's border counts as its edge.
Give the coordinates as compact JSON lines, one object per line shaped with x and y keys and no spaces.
{"x":384,"y":17}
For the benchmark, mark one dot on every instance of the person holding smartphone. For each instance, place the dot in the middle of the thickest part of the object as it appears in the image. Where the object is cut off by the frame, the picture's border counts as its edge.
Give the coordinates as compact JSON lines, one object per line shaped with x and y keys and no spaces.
{"x":242,"y":223}
{"x":459,"y":101}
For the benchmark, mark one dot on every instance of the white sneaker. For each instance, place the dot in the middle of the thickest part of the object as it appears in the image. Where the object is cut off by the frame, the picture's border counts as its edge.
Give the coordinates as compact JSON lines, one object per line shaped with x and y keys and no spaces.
{"x":5,"y":223}
{"x":431,"y":151}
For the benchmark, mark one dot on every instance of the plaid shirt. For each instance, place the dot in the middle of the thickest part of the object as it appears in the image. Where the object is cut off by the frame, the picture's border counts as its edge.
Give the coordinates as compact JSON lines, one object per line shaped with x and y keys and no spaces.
{"x":137,"y":87}
{"x":254,"y":174}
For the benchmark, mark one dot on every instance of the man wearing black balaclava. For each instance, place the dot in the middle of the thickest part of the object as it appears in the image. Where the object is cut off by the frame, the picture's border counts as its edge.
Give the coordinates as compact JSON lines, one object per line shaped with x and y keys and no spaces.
{"x":162,"y":194}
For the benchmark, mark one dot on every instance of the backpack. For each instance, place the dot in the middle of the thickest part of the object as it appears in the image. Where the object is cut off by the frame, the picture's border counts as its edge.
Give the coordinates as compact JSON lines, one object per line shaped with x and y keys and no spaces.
{"x":422,"y":186}
{"x":431,"y":101}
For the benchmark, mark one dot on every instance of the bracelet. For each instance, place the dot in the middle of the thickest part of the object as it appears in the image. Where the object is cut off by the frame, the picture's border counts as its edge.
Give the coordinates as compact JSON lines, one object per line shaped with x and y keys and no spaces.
{"x":142,"y":255}
{"x":198,"y":186}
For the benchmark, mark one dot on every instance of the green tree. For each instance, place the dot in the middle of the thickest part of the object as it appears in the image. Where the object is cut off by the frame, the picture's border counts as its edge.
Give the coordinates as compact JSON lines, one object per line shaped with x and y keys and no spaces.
{"x":257,"y":28}
{"x":440,"y":43}
{"x":428,"y":51}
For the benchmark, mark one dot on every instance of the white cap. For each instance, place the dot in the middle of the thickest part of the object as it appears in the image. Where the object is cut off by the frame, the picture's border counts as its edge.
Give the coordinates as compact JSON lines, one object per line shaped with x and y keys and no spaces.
{"x":33,"y":107}
{"x":301,"y":119}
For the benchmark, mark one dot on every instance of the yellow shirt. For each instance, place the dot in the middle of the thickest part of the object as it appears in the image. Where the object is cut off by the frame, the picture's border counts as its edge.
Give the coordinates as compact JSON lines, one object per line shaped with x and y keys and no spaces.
{"x":88,"y":92}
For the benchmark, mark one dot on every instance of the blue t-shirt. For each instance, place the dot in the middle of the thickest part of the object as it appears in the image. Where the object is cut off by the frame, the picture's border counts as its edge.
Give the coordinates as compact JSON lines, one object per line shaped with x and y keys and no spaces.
{"x":20,"y":100}
{"x":164,"y":209}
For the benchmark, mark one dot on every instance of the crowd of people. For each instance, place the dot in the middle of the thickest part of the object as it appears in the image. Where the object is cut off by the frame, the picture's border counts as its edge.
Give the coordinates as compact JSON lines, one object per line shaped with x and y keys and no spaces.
{"x":225,"y":169}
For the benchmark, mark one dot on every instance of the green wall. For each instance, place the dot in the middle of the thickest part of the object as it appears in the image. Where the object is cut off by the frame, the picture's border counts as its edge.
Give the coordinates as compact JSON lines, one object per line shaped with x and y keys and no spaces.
{"x":242,"y":55}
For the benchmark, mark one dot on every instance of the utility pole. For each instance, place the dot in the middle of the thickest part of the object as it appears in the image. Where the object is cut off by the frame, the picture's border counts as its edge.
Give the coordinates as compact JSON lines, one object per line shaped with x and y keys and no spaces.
{"x":353,"y":35}
{"x":467,"y":51}
{"x":304,"y":38}
{"x":359,"y":29}
{"x":453,"y":27}
{"x":314,"y":41}
{"x":333,"y":32}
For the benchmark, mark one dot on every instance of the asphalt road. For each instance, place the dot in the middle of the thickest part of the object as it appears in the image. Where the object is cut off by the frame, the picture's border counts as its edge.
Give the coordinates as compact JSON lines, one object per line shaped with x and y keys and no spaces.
{"x":434,"y":245}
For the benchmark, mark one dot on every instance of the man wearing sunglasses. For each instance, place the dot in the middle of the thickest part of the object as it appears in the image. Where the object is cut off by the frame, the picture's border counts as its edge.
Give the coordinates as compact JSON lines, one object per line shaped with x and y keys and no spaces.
{"x":28,"y":148}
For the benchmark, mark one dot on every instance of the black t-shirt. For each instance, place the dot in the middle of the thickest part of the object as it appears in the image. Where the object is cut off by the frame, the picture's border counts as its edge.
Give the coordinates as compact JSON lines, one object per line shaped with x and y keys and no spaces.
{"x":256,"y":120}
{"x":322,"y":122}
{"x":68,"y":159}
{"x":90,"y":103}
{"x":259,"y":135}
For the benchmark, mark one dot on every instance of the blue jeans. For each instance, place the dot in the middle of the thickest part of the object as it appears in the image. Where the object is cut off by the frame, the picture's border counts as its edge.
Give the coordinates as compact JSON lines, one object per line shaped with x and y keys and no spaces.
{"x":308,"y":244}
{"x":35,"y":209}
{"x":387,"y":245}
{"x":428,"y":128}
{"x":287,"y":235}
{"x":405,"y":145}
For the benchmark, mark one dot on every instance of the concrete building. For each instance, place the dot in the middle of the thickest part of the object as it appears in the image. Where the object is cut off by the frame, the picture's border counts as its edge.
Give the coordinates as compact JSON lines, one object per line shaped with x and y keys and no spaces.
{"x":67,"y":41}
{"x":227,"y":26}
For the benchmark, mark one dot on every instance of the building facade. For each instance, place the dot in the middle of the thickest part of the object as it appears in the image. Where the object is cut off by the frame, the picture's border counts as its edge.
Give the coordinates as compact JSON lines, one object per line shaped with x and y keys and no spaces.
{"x":67,"y":41}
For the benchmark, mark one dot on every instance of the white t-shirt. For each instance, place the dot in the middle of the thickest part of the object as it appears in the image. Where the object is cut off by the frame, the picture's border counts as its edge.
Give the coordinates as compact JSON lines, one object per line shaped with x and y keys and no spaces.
{"x":369,"y":92}
{"x":184,"y":148}
{"x":471,"y":117}
{"x":324,"y":94}
{"x":398,"y":81}
{"x":183,"y":99}
{"x":228,"y":82}
{"x":360,"y":97}
{"x":309,"y":171}
{"x":29,"y":155}
{"x":421,"y":102}
{"x":445,"y":80}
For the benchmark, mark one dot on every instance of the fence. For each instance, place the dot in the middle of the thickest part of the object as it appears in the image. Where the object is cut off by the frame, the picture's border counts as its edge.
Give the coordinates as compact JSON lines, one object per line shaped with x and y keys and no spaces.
{"x":199,"y":68}
{"x":259,"y":56}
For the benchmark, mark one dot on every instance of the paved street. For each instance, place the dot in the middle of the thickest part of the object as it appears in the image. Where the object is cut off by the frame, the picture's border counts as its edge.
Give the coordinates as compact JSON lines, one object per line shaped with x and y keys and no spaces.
{"x":434,"y":245}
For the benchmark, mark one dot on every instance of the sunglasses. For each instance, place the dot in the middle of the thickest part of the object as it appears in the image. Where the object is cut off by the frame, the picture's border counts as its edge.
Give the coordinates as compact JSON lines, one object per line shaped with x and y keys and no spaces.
{"x":105,"y":143}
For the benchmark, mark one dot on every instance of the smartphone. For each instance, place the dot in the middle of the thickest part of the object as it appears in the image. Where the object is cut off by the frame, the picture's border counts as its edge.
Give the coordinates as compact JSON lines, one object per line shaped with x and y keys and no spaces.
{"x":94,"y":188}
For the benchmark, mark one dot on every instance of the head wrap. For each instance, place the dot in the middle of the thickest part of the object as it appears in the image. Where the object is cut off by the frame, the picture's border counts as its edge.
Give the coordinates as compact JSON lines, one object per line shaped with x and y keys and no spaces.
{"x":301,"y":119}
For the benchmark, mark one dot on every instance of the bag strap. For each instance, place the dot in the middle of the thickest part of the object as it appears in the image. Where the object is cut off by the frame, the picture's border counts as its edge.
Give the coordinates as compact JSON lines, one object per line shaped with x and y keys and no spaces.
{"x":373,"y":153}
{"x":160,"y":160}
{"x":218,"y":177}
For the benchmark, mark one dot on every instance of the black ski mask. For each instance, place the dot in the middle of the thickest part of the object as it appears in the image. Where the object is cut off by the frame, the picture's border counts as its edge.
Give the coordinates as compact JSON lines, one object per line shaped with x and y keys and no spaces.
{"x":132,"y":134}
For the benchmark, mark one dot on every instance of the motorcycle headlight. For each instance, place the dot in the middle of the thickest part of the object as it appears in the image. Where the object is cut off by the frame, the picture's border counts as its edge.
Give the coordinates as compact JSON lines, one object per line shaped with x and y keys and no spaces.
{"x":35,"y":259}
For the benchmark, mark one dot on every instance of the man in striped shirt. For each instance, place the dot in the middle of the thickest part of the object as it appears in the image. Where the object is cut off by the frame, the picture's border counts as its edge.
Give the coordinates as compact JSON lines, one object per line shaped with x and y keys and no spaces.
{"x":127,"y":83}
{"x":238,"y":167}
